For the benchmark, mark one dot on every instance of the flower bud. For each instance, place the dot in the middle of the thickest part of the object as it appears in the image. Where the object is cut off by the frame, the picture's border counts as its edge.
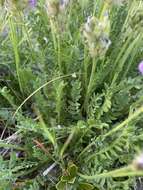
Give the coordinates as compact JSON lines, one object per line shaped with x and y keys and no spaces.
{"x":96,"y":34}
{"x":140,"y":67}
{"x":32,"y":3}
{"x":52,"y":7}
{"x":55,"y":7}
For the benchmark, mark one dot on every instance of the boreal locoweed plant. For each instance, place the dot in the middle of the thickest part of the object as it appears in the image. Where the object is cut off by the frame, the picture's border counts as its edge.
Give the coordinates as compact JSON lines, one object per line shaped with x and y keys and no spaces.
{"x":71,"y":94}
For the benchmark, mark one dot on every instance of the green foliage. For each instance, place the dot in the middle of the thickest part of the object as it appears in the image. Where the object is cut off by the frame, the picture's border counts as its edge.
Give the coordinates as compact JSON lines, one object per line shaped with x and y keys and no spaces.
{"x":74,"y":99}
{"x":60,"y":99}
{"x":70,"y":93}
{"x":68,"y":180}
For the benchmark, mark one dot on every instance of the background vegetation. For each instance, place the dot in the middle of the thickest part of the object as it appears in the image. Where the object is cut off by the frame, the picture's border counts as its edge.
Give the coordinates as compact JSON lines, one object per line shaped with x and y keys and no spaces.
{"x":71,"y":96}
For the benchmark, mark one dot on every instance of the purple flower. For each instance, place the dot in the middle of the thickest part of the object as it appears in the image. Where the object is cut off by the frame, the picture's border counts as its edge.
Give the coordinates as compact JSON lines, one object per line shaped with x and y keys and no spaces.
{"x":140,"y":67}
{"x":138,"y":162}
{"x":32,"y":3}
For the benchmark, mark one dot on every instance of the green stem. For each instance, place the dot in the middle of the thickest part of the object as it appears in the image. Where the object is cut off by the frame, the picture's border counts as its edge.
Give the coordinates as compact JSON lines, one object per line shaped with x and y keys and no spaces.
{"x":85,"y":63}
{"x":53,"y":30}
{"x":41,"y":87}
{"x":91,"y":84}
{"x":28,"y":37}
{"x":56,"y":42}
{"x":105,"y":7}
{"x":122,"y":172}
{"x":132,"y":8}
{"x":85,"y":149}
{"x":91,"y":81}
{"x":123,"y":49}
{"x":14,"y":40}
{"x":59,"y":54}
{"x":45,"y":128}
{"x":123,"y":56}
{"x":70,"y":137}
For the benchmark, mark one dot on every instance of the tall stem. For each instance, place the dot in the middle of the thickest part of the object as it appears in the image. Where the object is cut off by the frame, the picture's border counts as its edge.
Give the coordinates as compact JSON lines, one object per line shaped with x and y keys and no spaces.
{"x":59,"y":54}
{"x":85,"y":65}
{"x":14,"y":40}
{"x":53,"y":34}
{"x":56,"y":42}
{"x":91,"y":83}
